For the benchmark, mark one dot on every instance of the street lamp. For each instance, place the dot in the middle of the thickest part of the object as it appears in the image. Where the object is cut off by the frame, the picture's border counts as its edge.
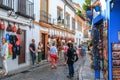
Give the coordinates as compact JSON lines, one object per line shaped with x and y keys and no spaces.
{"x":59,"y":19}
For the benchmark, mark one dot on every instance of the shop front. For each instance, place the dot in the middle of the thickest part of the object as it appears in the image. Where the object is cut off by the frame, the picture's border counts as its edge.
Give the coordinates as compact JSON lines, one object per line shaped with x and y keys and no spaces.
{"x":100,"y":47}
{"x":15,"y":34}
{"x":114,"y":39}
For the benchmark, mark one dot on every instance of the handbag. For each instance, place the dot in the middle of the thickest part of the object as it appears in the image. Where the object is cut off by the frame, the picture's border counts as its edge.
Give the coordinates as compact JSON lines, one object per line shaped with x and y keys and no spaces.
{"x":2,"y":25}
{"x":9,"y":27}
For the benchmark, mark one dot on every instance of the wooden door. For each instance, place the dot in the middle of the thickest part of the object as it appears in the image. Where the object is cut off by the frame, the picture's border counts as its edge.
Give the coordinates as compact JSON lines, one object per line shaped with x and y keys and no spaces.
{"x":21,"y":58}
{"x":43,"y":42}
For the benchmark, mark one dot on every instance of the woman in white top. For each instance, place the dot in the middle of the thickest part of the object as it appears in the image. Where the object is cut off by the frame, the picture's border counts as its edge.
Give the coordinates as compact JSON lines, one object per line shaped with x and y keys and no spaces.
{"x":4,"y":55}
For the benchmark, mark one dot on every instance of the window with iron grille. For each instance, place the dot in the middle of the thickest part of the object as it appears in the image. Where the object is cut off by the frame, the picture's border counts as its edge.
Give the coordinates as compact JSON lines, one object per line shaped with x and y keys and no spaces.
{"x":59,"y":14}
{"x":44,"y":15}
{"x":25,"y":8}
{"x":85,"y":34}
{"x":7,"y":4}
{"x":68,"y":20}
{"x":73,"y":24}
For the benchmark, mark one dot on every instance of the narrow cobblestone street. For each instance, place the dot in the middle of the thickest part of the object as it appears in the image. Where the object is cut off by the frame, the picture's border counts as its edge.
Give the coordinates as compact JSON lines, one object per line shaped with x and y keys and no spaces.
{"x":44,"y":72}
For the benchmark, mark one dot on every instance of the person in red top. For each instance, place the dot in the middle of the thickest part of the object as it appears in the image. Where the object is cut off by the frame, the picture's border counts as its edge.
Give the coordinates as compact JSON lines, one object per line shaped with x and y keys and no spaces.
{"x":79,"y":50}
{"x":65,"y":49}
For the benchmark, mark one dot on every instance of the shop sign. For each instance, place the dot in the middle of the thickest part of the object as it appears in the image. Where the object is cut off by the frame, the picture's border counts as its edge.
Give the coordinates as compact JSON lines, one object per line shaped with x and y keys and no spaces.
{"x":116,"y":61}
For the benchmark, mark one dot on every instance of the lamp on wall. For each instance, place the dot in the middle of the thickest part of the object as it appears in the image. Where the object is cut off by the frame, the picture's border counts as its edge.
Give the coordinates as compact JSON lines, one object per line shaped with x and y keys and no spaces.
{"x":12,"y":13}
{"x":59,"y":19}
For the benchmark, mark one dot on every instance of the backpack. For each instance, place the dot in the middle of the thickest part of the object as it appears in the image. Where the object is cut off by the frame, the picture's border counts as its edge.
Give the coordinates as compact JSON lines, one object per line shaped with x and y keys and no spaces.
{"x":74,"y":57}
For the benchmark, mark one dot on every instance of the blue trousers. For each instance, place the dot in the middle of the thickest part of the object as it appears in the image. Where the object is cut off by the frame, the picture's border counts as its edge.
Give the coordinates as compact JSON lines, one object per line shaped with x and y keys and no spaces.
{"x":33,"y":56}
{"x":71,"y":69}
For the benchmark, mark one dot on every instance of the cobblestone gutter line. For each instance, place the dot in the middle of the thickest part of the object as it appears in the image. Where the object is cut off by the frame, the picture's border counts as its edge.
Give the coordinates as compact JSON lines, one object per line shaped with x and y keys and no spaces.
{"x":25,"y":69}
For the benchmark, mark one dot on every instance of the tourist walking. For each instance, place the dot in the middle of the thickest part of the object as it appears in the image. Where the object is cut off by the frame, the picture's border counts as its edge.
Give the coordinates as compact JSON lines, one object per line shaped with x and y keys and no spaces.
{"x":32,"y":51}
{"x":40,"y":47}
{"x":71,"y":58}
{"x":75,"y":46}
{"x":53,"y":56}
{"x":4,"y":55}
{"x":65,"y":49}
{"x":48,"y":51}
{"x":79,"y":50}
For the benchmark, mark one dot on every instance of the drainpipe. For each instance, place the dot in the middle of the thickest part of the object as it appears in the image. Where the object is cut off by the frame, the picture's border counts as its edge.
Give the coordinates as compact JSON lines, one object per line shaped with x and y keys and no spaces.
{"x":65,"y":14}
{"x":65,"y":18}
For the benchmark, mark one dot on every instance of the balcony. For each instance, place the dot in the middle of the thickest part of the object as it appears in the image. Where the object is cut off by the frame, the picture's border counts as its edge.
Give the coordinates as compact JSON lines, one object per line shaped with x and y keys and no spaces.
{"x":7,"y":4}
{"x":25,"y":8}
{"x":45,"y":17}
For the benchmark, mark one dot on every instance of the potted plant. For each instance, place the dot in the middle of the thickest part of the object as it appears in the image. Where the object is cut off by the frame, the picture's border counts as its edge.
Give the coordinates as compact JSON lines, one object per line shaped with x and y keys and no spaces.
{"x":78,"y":12}
{"x":87,"y":7}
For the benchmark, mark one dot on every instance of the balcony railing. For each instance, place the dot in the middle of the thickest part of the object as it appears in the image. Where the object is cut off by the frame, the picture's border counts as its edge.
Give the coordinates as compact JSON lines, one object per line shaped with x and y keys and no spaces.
{"x":45,"y":17}
{"x":25,"y":8}
{"x":7,"y":4}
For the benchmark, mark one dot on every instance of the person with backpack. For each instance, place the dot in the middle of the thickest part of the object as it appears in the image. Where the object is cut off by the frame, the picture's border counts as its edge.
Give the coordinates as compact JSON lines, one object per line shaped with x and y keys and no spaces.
{"x":71,"y":58}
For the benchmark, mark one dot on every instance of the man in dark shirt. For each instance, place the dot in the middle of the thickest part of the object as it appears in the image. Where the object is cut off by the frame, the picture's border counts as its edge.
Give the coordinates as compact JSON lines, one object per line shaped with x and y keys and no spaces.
{"x":71,"y":59}
{"x":32,"y":51}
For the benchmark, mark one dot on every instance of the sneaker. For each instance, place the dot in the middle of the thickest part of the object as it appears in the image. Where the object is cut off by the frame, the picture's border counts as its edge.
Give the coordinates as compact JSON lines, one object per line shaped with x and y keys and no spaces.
{"x":52,"y":67}
{"x":68,"y":76}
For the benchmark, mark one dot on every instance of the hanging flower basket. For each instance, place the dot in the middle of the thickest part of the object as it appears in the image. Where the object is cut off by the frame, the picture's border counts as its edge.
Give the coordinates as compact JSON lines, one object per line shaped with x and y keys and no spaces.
{"x":49,"y":36}
{"x":66,"y":38}
{"x":52,"y":37}
{"x":73,"y":40}
{"x":63,"y":38}
{"x":97,"y":8}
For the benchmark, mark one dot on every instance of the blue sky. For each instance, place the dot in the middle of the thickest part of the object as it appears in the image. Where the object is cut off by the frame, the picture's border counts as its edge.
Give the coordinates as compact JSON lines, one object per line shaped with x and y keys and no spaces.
{"x":79,"y":1}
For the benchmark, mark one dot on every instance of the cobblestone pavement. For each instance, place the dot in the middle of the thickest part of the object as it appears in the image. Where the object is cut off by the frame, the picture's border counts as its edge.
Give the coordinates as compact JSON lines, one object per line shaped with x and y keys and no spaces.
{"x":44,"y":72}
{"x":85,"y":72}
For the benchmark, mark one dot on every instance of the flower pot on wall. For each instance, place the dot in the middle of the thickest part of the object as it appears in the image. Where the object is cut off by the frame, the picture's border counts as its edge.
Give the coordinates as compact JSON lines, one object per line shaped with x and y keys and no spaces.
{"x":97,"y":8}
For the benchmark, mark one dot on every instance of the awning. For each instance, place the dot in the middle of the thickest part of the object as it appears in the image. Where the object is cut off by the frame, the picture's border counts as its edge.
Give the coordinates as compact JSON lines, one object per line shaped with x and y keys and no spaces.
{"x":99,"y":17}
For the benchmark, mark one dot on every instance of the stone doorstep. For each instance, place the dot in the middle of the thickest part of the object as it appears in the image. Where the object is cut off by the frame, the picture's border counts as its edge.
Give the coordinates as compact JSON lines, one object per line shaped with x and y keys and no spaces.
{"x":25,"y":69}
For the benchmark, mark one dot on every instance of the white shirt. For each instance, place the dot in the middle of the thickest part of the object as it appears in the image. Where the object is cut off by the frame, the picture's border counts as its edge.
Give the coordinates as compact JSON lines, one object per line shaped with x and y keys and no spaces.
{"x":4,"y":49}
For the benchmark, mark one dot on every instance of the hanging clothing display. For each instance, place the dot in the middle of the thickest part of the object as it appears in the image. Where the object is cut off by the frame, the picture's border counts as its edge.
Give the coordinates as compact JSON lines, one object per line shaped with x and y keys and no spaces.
{"x":13,"y":39}
{"x":10,"y":48}
{"x":18,"y":49}
{"x":18,"y":40}
{"x":14,"y":52}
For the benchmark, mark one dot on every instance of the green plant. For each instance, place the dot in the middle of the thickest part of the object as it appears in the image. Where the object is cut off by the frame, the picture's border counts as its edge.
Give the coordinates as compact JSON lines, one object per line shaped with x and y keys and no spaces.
{"x":78,"y":12}
{"x":87,"y":5}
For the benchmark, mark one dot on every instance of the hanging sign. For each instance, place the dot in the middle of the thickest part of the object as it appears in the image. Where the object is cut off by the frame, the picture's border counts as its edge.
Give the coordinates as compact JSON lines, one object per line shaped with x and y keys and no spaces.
{"x":116,"y":61}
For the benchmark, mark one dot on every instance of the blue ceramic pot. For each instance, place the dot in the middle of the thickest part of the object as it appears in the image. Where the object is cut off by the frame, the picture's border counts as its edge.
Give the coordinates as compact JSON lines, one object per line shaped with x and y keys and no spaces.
{"x":89,"y":12}
{"x":97,"y":8}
